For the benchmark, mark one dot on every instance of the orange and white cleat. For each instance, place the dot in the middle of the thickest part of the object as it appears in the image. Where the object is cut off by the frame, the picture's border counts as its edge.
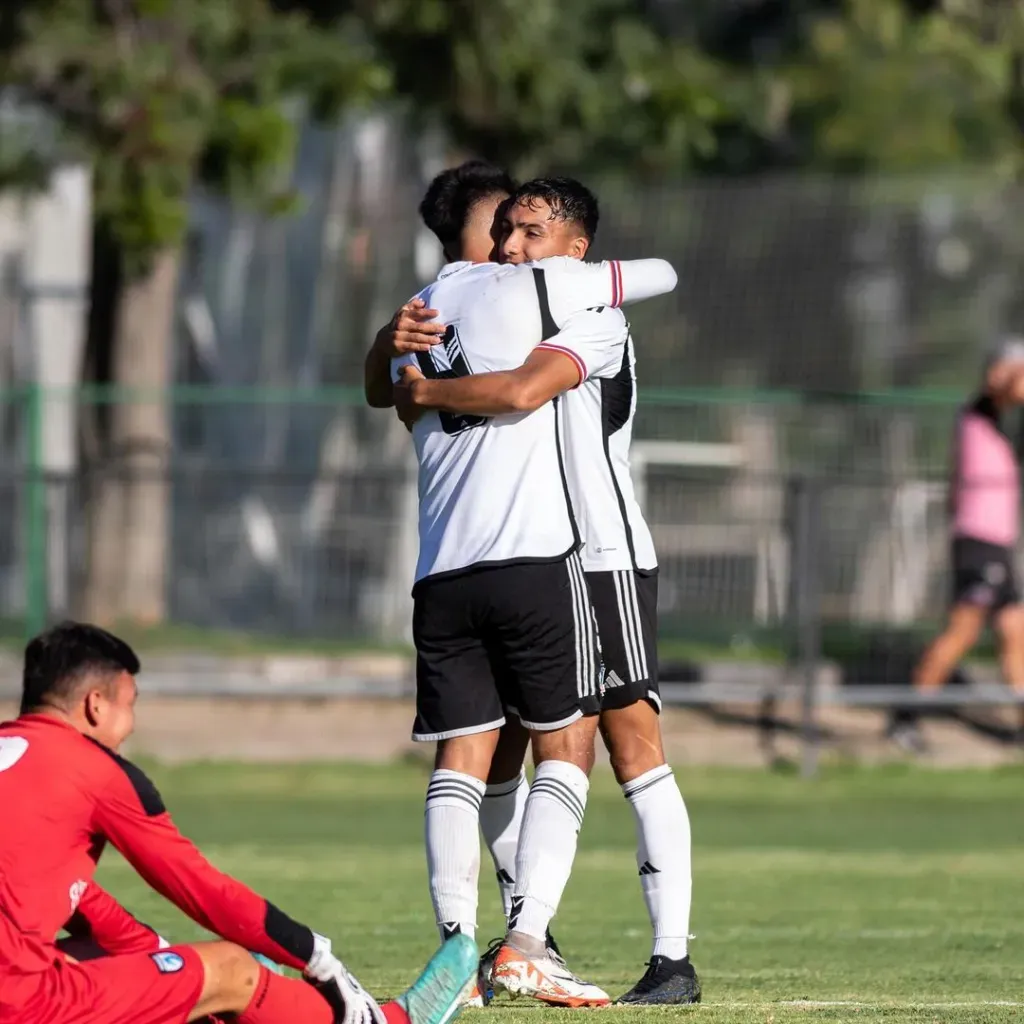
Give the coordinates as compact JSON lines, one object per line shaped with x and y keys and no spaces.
{"x":545,"y":978}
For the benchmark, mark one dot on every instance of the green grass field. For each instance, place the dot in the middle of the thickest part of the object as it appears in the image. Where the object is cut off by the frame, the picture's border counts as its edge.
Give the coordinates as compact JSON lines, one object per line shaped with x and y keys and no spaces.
{"x":895,"y":894}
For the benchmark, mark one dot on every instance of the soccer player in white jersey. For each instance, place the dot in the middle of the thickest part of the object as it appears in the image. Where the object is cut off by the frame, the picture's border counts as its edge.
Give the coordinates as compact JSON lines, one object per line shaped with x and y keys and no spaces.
{"x":502,"y":617}
{"x":545,"y":218}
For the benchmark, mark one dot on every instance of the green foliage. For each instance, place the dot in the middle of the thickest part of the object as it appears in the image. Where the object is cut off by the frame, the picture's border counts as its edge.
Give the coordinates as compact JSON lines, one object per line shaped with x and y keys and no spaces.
{"x":883,"y":89}
{"x":28,"y":148}
{"x":534,"y":83}
{"x":162,"y":92}
{"x":159,"y":93}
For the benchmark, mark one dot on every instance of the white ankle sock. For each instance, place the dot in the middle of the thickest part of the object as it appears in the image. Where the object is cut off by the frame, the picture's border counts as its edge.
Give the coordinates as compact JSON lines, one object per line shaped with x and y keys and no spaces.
{"x":452,"y":823}
{"x":547,"y":845}
{"x":663,"y":857}
{"x":501,"y":820}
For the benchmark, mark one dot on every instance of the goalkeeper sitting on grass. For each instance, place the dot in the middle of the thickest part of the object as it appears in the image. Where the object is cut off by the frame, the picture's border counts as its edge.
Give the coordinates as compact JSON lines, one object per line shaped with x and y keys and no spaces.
{"x":65,"y":793}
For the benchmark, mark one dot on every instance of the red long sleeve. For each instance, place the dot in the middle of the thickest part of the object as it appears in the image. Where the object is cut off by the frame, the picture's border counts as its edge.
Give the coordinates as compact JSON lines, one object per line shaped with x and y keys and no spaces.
{"x":100,"y":917}
{"x":130,"y":813}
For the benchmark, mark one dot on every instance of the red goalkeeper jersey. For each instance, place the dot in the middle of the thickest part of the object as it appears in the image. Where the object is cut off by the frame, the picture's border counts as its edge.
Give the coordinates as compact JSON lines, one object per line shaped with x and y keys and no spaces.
{"x":63,"y":797}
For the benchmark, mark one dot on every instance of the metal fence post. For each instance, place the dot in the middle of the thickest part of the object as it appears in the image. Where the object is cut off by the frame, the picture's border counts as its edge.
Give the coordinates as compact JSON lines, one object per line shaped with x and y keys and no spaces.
{"x":805,"y":521}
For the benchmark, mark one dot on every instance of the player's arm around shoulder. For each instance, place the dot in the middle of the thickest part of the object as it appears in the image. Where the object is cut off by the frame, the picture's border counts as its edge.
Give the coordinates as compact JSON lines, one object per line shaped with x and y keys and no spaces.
{"x":413,"y":328}
{"x":544,"y":375}
{"x":590,"y":343}
{"x":594,"y":341}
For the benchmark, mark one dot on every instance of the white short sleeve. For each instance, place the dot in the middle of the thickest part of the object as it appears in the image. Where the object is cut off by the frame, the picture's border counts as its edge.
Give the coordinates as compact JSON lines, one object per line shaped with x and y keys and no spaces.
{"x":594,"y":340}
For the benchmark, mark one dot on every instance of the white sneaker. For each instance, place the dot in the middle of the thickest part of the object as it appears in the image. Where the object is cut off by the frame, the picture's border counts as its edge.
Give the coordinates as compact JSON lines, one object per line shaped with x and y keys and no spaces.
{"x":546,"y":978}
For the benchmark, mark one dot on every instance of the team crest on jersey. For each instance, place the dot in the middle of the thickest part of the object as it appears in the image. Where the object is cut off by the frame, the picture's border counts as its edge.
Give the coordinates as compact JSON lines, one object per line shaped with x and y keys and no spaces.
{"x":168,"y":963}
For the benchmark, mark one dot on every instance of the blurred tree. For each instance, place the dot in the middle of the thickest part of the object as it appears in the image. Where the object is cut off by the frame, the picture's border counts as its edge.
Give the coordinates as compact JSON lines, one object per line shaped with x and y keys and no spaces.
{"x":157,"y":94}
{"x":859,"y":88}
{"x":894,"y":87}
{"x":870,"y":85}
{"x":534,"y":84}
{"x":160,"y":94}
{"x":889,"y":85}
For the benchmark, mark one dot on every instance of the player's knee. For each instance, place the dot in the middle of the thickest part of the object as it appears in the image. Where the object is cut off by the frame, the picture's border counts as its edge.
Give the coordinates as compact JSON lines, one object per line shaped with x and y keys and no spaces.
{"x":633,"y":738}
{"x":510,"y":753}
{"x":469,"y":755}
{"x":574,"y":743}
{"x":231,"y":976}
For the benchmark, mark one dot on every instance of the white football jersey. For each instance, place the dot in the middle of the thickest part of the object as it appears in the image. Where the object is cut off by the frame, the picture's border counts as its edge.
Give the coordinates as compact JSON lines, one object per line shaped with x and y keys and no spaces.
{"x":494,"y":491}
{"x":597,"y":429}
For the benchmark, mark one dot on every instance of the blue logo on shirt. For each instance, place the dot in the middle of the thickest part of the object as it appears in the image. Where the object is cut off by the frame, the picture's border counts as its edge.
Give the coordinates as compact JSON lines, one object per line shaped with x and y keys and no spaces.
{"x":168,"y":963}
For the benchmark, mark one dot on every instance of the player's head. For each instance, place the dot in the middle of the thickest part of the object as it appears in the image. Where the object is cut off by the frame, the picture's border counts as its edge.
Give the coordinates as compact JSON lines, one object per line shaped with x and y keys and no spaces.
{"x":87,"y":676}
{"x":461,"y":207}
{"x":549,"y":217}
{"x":1007,"y":348}
{"x":1004,"y":362}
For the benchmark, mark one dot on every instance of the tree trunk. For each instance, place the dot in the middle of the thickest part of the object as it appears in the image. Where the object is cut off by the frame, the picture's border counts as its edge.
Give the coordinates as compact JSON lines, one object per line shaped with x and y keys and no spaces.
{"x":129,"y":495}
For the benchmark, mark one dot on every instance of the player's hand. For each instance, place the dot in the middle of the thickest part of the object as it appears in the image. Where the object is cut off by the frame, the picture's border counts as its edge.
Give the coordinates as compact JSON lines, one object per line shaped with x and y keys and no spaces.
{"x":407,"y":398}
{"x":414,"y":328}
{"x":351,"y":1003}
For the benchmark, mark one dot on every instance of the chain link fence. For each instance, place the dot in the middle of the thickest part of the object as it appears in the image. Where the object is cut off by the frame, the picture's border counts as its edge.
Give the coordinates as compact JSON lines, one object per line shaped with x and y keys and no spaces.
{"x":319,"y":542}
{"x":822,"y":334}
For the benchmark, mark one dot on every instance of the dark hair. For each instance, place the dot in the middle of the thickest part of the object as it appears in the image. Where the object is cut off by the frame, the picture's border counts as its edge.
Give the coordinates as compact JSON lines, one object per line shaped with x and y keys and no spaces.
{"x":454,"y":192}
{"x":58,"y":660}
{"x":569,"y":199}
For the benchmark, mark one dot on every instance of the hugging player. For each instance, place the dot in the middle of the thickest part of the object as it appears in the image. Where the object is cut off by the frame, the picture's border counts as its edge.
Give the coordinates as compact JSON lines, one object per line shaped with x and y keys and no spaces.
{"x":584,"y":361}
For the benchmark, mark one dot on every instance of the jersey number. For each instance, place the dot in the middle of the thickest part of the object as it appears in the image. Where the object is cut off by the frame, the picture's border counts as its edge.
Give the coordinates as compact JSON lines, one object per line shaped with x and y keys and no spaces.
{"x":451,"y":422}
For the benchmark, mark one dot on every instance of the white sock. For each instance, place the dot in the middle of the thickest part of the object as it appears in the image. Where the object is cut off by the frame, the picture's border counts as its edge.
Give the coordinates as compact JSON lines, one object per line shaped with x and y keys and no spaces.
{"x":501,"y":820}
{"x":453,"y":849}
{"x":663,"y":857}
{"x":547,"y":845}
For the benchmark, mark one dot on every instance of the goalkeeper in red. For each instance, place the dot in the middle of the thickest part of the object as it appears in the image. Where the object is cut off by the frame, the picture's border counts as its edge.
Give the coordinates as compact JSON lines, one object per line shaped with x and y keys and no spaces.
{"x":64,"y":794}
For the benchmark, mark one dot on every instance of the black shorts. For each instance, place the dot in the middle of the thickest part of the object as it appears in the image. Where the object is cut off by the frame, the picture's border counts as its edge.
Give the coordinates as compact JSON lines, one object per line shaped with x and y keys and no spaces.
{"x":626,"y":605}
{"x":515,"y":638}
{"x":983,"y":574}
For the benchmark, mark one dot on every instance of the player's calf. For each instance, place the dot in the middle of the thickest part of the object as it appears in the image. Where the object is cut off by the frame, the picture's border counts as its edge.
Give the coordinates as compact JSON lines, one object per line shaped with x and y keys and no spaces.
{"x":524,"y":964}
{"x":633,"y":736}
{"x":551,"y":823}
{"x":452,"y":828}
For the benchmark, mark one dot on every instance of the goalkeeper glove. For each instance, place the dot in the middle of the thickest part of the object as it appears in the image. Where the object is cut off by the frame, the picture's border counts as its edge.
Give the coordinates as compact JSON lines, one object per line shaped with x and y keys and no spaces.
{"x":348,"y":999}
